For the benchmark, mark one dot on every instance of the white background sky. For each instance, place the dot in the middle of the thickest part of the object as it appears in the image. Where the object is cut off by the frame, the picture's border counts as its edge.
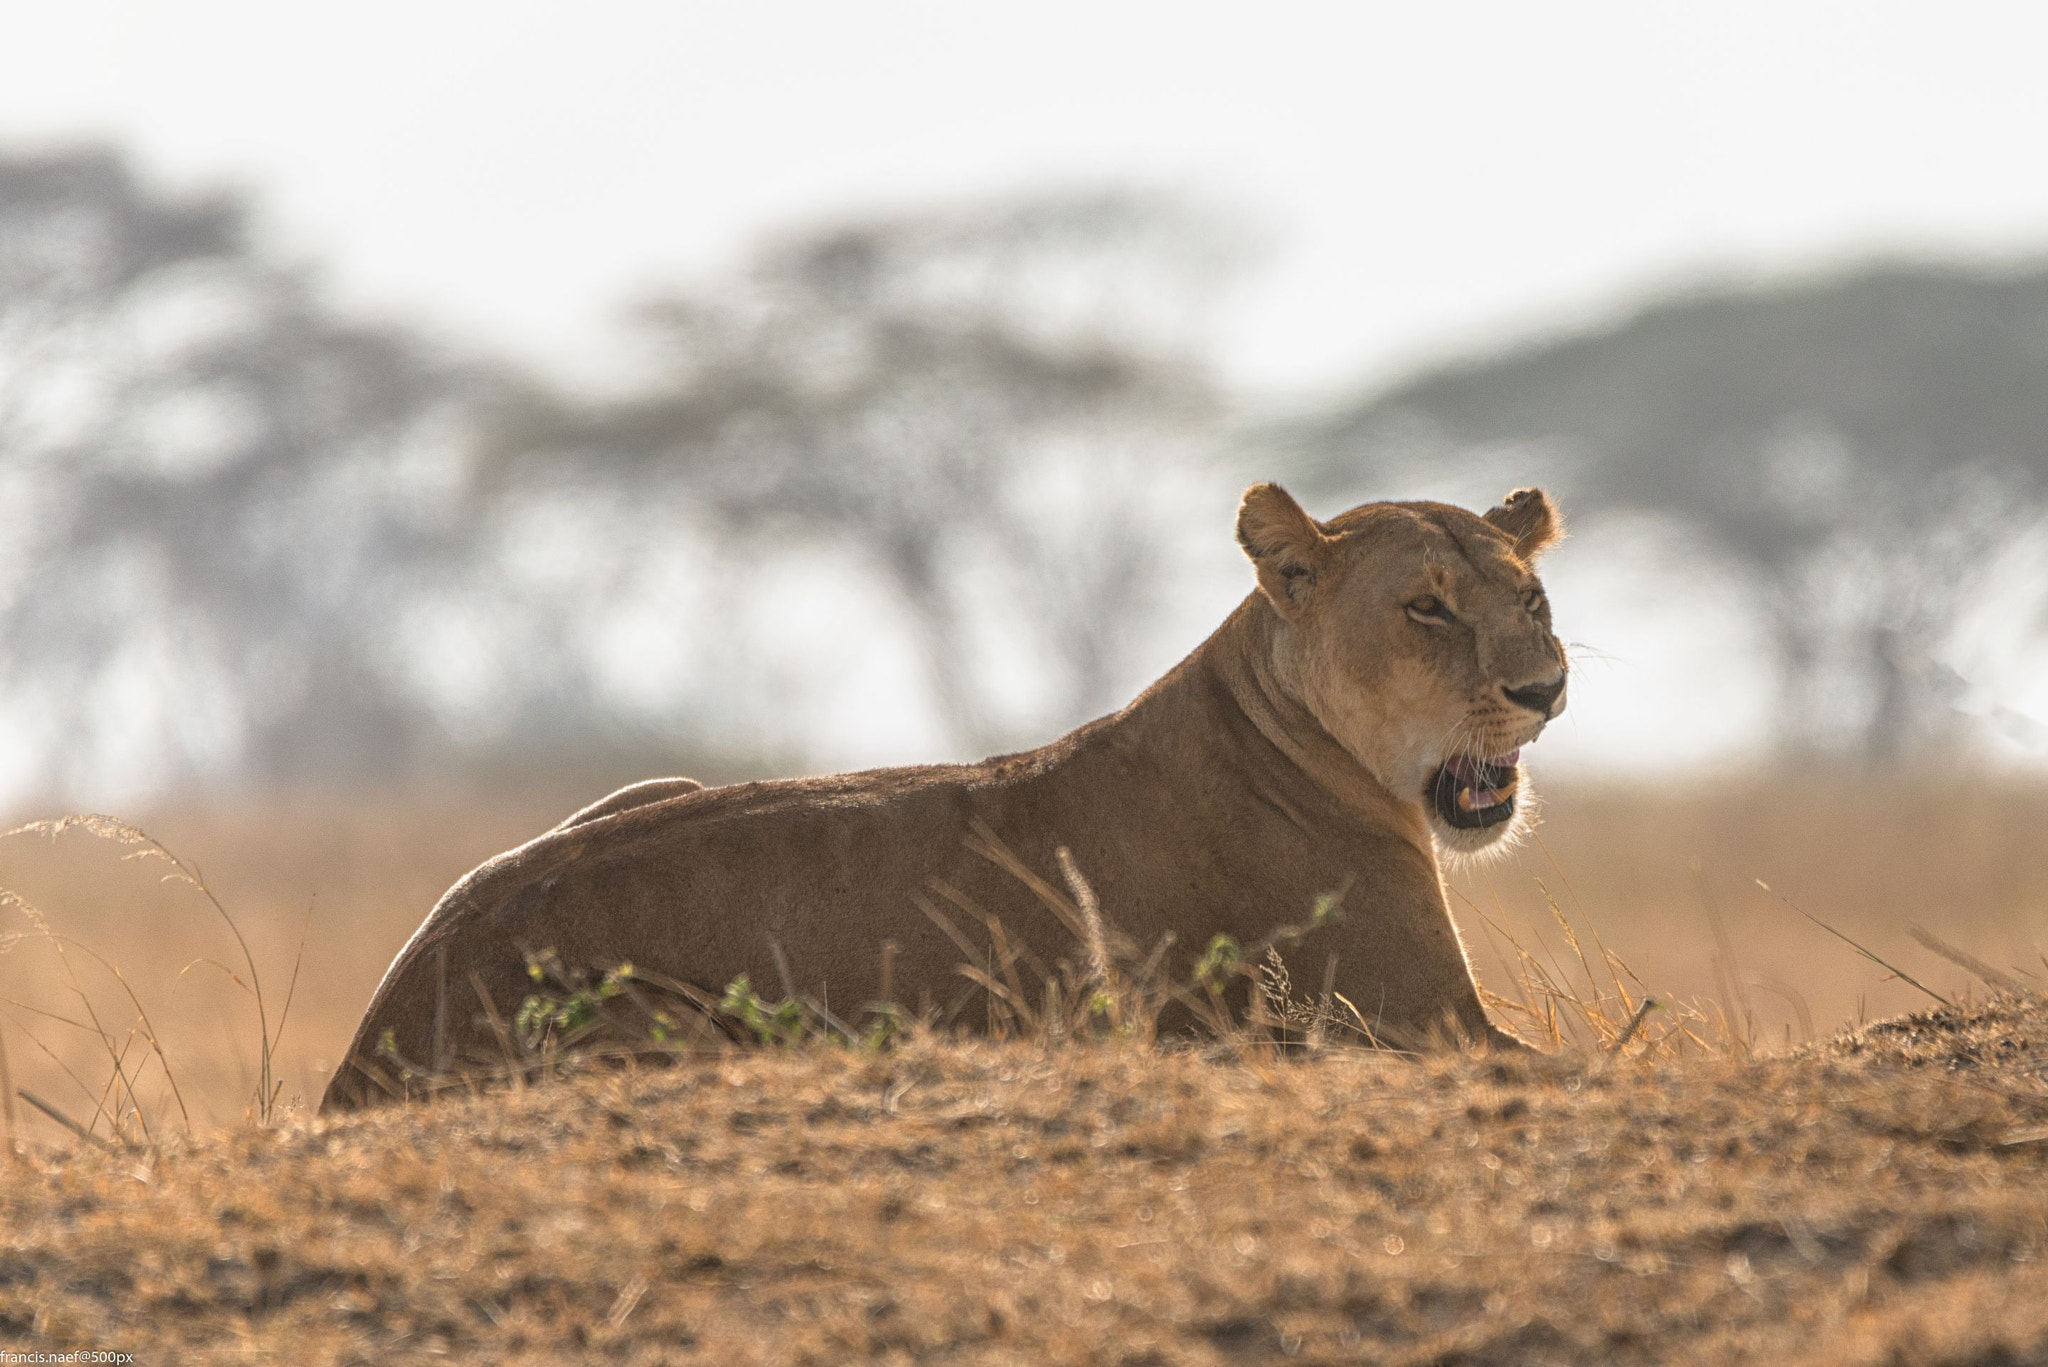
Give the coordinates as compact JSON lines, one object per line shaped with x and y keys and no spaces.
{"x":1428,"y":176}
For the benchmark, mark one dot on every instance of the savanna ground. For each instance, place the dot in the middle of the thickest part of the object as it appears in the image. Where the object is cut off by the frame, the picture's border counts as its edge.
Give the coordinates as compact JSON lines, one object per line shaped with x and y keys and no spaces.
{"x":1749,"y":1178}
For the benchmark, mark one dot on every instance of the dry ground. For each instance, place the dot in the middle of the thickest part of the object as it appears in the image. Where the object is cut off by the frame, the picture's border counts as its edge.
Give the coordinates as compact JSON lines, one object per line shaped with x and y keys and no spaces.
{"x":1879,"y":1198}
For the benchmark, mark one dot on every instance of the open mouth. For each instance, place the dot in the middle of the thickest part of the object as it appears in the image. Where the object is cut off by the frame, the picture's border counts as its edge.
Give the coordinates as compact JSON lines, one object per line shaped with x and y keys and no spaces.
{"x":1470,"y":793}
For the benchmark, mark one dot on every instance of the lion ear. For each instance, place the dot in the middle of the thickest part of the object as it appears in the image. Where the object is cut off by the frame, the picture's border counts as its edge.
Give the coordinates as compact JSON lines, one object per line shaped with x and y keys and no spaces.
{"x":1284,"y":543}
{"x":1531,"y":519}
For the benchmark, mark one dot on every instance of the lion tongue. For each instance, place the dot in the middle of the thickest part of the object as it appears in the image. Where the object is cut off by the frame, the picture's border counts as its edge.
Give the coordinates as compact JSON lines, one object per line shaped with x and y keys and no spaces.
{"x":1496,"y":771}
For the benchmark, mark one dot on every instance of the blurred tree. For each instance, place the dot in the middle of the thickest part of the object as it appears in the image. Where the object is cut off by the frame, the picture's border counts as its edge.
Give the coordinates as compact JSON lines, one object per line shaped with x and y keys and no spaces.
{"x":217,"y":494}
{"x":253,"y":541}
{"x":987,"y":408}
{"x":1866,"y":446}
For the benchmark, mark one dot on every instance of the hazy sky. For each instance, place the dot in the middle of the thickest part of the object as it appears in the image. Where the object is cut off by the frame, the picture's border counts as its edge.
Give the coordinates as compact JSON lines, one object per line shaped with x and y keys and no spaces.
{"x":1426,"y":174}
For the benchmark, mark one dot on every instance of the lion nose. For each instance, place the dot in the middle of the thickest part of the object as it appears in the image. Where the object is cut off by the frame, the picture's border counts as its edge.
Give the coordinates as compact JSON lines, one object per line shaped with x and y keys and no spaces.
{"x":1537,"y":697}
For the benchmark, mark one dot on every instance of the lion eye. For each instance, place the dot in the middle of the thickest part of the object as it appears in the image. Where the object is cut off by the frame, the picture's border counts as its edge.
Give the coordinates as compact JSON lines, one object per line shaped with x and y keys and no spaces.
{"x":1430,"y":610}
{"x":1533,"y":599}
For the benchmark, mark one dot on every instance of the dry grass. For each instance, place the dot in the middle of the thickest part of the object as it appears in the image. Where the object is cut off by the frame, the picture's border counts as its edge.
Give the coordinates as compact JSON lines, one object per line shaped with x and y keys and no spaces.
{"x":1664,"y":1188}
{"x":1881,"y":1199}
{"x":1668,"y":880}
{"x":1663,"y":883}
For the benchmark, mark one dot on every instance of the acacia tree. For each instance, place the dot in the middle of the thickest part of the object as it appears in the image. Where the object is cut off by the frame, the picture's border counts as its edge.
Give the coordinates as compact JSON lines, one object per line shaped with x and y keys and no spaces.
{"x":985,"y":409}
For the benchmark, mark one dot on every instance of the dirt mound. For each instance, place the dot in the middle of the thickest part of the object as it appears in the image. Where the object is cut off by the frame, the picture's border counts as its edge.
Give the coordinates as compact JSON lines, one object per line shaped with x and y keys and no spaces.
{"x":1881,"y":1198}
{"x":2008,"y":1031}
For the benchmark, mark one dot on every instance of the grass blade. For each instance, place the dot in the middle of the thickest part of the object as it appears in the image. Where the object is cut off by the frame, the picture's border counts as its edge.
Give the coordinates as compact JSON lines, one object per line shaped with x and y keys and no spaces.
{"x":1901,"y":974}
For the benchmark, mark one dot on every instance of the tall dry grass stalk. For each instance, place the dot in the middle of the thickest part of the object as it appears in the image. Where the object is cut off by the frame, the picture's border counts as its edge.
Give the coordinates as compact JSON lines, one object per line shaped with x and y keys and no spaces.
{"x":118,"y":1102}
{"x":6,"y":1098}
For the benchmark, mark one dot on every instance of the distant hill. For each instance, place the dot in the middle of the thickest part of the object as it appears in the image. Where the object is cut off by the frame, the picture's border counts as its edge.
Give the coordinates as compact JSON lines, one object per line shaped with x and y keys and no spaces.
{"x":1911,"y":368}
{"x":1863,"y":443}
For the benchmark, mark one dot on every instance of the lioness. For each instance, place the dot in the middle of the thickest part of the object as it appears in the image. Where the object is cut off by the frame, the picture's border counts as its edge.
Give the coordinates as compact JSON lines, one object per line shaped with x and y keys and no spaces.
{"x":1366,"y":704}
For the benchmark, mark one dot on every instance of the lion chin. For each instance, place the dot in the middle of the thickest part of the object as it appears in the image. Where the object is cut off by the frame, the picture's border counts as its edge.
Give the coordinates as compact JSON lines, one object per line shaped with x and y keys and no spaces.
{"x":1479,"y":807}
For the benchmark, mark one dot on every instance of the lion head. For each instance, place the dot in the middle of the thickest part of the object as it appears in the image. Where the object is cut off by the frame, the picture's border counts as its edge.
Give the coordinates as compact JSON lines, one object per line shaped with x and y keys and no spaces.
{"x":1419,"y":636}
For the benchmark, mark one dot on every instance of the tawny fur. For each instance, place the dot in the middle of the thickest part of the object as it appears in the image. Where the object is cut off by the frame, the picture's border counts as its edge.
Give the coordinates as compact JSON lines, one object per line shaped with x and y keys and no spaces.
{"x":1284,"y":759}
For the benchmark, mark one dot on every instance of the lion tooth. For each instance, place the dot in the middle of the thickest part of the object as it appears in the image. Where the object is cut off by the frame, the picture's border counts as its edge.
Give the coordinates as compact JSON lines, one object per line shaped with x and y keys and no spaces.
{"x":1479,"y":799}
